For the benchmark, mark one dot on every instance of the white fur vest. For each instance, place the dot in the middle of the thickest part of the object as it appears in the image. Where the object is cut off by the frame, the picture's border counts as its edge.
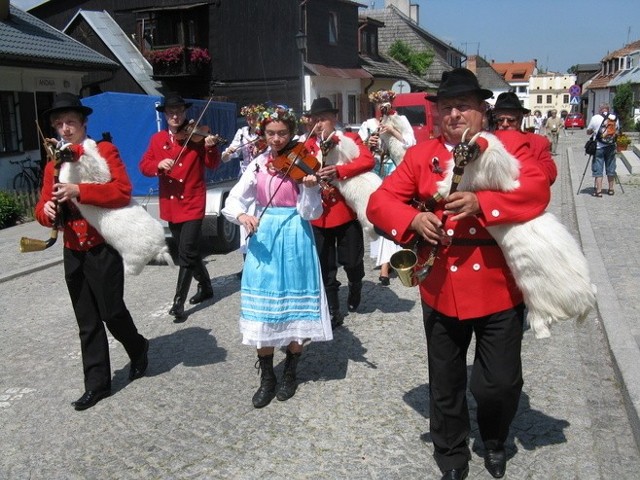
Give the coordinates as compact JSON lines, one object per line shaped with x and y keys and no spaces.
{"x":544,"y":258}
{"x":136,"y":235}
{"x":355,"y":190}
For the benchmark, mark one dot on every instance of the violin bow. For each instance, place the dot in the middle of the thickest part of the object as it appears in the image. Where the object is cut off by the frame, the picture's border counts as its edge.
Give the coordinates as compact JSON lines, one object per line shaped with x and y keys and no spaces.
{"x":193,"y":129}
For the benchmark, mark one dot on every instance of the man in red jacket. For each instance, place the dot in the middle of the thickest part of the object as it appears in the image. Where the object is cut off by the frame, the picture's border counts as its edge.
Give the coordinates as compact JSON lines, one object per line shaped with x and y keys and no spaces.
{"x":93,"y":270}
{"x":469,"y":288}
{"x":337,"y":232}
{"x":507,"y":115}
{"x":180,"y":172}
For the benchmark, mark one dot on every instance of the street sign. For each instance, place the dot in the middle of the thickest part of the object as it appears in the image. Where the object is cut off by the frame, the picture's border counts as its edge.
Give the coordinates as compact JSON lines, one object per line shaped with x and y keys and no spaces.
{"x":574,"y":101}
{"x":401,"y":87}
{"x":574,"y":90}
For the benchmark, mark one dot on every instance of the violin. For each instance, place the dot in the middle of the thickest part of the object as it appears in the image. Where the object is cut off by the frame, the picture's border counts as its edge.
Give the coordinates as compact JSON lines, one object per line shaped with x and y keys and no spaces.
{"x":258,"y":147}
{"x":196,"y":135}
{"x":296,"y":163}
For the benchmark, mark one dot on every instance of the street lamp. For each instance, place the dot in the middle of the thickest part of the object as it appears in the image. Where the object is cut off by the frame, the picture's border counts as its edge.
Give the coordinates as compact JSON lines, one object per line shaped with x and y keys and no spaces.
{"x":301,"y":43}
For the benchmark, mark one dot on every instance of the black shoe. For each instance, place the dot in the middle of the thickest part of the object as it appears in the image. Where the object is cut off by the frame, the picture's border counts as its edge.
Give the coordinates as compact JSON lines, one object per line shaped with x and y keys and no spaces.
{"x":495,"y":461}
{"x":205,"y":292}
{"x":90,"y":398}
{"x":336,"y":320}
{"x":139,"y":366}
{"x":384,"y":281}
{"x":353,"y":301}
{"x":456,"y":473}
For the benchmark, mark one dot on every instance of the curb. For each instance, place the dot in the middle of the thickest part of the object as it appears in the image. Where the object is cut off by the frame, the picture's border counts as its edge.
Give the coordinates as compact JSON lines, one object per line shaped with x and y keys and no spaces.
{"x":624,"y":351}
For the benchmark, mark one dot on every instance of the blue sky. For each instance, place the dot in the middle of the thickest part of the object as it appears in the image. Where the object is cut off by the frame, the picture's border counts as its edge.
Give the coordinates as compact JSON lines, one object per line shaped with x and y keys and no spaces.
{"x":558,"y":33}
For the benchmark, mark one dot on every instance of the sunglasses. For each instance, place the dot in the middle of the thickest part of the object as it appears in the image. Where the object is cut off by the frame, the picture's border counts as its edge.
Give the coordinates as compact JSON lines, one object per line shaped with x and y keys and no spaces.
{"x":502,"y":119}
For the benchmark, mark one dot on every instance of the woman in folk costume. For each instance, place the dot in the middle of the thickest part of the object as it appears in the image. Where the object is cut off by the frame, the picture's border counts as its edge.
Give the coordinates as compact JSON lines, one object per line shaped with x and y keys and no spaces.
{"x":246,"y":145}
{"x":388,"y":134}
{"x":283,"y":302}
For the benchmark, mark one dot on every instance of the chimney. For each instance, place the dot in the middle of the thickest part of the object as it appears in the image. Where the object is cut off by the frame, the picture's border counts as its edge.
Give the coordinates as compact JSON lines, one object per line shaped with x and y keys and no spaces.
{"x":4,"y":10}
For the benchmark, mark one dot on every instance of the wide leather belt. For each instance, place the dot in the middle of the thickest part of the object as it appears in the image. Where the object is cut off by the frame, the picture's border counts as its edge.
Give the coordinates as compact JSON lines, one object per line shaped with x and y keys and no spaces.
{"x":473,"y":242}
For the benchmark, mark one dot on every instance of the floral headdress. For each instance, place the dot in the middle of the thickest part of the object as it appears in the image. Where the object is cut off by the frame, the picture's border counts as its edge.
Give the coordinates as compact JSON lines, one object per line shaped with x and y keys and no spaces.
{"x":251,"y":110}
{"x":305,"y":119}
{"x":382,"y":96}
{"x":276,"y":113}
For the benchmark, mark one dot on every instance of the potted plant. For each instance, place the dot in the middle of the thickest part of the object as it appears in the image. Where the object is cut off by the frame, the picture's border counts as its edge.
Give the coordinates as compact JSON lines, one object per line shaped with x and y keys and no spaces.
{"x":622,"y":142}
{"x":199,"y":59}
{"x":167,"y":60}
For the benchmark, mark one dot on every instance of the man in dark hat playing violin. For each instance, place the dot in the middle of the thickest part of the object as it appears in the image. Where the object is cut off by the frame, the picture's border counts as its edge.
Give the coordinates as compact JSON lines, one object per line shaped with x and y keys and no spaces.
{"x":180,"y":165}
{"x":93,"y":269}
{"x":337,"y":232}
{"x":469,"y":288}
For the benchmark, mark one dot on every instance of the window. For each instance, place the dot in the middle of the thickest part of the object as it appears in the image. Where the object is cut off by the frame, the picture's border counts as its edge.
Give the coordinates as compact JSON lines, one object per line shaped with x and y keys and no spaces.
{"x":565,"y":98}
{"x":333,"y":28}
{"x":539,"y":99}
{"x":522,"y":89}
{"x":369,"y":42}
{"x":165,"y":27}
{"x":549,"y":99}
{"x":351,"y":108}
{"x":9,"y":139}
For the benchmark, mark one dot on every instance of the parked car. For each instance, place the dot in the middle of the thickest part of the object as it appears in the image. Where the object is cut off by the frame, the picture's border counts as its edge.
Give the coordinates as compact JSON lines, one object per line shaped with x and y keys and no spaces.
{"x":574,"y":120}
{"x":420,"y":112}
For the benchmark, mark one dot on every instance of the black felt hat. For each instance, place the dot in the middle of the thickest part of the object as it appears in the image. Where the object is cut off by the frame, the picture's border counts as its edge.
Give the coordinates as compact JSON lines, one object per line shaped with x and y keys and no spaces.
{"x":322,"y":105}
{"x":458,"y":82}
{"x":67,"y":101}
{"x":509,"y":101}
{"x":173,"y":100}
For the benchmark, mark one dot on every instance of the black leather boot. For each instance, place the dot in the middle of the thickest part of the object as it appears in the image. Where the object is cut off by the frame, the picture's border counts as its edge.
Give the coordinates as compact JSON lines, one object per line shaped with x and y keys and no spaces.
{"x":267,"y":389}
{"x":289,"y":384}
{"x":333,"y":301}
{"x":205,"y":291}
{"x":182,"y":290}
{"x":353,"y":300}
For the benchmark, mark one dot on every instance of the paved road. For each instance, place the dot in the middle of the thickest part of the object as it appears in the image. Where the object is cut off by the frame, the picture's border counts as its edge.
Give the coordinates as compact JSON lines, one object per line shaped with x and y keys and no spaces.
{"x":361,"y":411}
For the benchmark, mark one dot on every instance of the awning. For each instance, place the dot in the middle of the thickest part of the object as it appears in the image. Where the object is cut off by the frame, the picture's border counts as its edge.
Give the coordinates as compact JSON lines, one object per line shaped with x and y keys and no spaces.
{"x":324,"y":71}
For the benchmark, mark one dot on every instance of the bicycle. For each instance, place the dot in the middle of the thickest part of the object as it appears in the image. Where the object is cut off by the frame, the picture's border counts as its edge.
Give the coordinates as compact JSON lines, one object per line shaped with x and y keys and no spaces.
{"x":29,"y":178}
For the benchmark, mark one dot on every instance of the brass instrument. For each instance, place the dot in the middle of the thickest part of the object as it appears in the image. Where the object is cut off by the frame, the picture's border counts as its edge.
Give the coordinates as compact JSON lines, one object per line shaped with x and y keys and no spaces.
{"x":56,"y":156}
{"x":405,"y":261}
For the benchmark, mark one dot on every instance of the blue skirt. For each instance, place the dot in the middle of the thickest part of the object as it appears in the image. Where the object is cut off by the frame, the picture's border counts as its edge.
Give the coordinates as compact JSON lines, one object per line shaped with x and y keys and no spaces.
{"x":282,"y":296}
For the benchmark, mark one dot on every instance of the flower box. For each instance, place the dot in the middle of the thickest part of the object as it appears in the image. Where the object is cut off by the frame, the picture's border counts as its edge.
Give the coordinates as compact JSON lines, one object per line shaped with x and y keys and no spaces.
{"x":178,"y":60}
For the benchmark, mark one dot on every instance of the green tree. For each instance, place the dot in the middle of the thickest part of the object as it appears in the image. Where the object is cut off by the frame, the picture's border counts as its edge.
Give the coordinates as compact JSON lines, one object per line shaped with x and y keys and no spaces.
{"x":417,"y":62}
{"x":572,"y":69}
{"x":622,"y":104}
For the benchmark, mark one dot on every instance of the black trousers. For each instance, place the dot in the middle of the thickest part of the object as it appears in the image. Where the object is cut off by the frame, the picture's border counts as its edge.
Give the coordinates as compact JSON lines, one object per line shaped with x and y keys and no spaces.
{"x":342,"y":245}
{"x":187,"y":237}
{"x":496,"y":380}
{"x":95,"y":280}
